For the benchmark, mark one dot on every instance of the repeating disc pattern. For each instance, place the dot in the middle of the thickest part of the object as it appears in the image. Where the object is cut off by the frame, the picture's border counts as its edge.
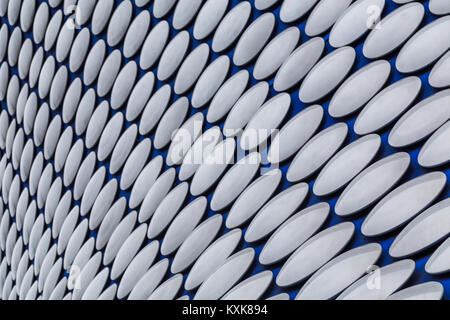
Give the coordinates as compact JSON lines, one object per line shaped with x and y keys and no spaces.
{"x":224,"y":149}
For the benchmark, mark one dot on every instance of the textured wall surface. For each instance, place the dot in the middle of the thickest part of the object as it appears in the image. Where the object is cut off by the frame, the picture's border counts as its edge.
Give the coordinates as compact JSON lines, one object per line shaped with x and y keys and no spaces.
{"x":98,"y":199}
